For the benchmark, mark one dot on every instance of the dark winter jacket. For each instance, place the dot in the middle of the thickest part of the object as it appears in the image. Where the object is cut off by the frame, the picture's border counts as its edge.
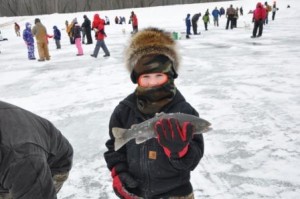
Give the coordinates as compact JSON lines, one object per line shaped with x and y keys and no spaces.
{"x":159,"y":177}
{"x":27,"y":35}
{"x":56,"y":32}
{"x":31,"y":151}
{"x":222,"y":11}
{"x":86,"y":24}
{"x":195,"y":17}
{"x":77,"y":31}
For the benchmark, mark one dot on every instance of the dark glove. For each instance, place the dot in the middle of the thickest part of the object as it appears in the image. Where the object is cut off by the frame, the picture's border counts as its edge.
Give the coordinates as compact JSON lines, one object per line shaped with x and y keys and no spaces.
{"x":173,"y":138}
{"x":122,"y":180}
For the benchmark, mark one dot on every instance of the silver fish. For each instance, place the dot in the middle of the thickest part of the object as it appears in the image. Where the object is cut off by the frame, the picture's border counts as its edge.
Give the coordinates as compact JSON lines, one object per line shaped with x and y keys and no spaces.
{"x":145,"y":130}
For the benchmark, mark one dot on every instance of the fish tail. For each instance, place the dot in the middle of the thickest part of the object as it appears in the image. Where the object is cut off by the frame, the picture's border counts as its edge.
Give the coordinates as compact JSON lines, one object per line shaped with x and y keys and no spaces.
{"x":119,"y":142}
{"x":118,"y":133}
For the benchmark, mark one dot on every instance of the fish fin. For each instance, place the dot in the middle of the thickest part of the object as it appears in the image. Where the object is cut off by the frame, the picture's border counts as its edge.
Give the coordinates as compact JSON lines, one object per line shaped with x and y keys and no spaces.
{"x":118,"y":132}
{"x":140,"y":140}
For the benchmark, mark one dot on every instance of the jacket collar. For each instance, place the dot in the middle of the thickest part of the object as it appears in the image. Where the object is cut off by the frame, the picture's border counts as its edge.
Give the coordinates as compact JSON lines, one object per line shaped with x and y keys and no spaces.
{"x":130,"y":101}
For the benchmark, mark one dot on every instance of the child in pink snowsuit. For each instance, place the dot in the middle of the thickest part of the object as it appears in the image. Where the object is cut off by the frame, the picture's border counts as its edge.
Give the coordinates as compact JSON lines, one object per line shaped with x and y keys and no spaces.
{"x":77,"y":37}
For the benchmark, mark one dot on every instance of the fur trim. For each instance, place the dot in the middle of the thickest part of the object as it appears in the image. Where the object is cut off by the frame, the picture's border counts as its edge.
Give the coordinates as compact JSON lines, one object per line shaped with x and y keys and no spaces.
{"x":151,"y":41}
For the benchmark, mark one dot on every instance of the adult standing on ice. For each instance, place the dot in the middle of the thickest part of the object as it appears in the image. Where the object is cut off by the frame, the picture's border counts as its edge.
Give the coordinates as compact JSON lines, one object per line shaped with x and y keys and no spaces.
{"x":40,"y":33}
{"x":134,"y":21}
{"x":159,"y":167}
{"x":87,"y":27}
{"x":35,"y":158}
{"x":259,"y":15}
{"x":98,"y":27}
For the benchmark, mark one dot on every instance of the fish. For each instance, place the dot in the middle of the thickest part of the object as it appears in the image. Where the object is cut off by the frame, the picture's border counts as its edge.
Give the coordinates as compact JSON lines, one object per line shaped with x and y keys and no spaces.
{"x":145,"y":130}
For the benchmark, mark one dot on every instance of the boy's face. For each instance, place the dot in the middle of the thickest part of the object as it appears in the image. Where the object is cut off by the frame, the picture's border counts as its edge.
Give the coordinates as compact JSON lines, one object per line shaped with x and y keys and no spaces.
{"x":152,"y":80}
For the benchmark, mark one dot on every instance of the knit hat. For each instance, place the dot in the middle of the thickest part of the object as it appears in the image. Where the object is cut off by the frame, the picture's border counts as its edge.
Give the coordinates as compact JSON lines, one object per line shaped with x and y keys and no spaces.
{"x":151,"y":43}
{"x":37,"y":20}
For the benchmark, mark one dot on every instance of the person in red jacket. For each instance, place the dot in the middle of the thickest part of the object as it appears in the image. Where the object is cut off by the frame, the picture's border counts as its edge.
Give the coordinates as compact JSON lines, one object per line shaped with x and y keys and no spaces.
{"x":259,"y":15}
{"x":98,"y":27}
{"x":134,"y":22}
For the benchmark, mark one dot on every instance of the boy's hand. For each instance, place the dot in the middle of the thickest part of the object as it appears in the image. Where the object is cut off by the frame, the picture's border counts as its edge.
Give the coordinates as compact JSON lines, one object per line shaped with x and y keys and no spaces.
{"x":173,"y":138}
{"x":123,"y":180}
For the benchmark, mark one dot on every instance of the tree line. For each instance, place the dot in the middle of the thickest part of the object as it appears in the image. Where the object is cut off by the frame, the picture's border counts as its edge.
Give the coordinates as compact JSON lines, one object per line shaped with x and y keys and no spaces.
{"x":39,"y":7}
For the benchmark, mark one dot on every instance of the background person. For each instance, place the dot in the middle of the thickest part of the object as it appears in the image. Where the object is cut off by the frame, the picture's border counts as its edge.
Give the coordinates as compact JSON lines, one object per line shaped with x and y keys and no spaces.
{"x":35,"y":157}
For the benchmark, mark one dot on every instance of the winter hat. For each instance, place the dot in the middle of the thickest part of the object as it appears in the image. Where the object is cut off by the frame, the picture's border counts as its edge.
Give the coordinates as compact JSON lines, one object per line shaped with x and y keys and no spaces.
{"x":37,"y":20}
{"x":151,"y":45}
{"x":28,"y":25}
{"x":74,"y":20}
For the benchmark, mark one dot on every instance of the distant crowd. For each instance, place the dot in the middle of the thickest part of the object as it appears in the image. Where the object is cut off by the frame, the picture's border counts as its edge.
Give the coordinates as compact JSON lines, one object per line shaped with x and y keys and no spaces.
{"x":78,"y":35}
{"x":95,"y":30}
{"x":260,"y":18}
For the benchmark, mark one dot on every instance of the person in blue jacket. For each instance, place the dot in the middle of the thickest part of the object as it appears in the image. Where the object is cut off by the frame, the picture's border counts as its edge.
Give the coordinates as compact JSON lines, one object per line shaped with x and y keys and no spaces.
{"x":29,"y":41}
{"x":57,"y":36}
{"x":188,"y":26}
{"x":216,"y":13}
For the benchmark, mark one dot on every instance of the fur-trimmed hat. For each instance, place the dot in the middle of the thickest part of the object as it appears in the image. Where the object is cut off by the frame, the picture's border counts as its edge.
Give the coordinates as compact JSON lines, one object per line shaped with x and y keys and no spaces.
{"x":151,"y":41}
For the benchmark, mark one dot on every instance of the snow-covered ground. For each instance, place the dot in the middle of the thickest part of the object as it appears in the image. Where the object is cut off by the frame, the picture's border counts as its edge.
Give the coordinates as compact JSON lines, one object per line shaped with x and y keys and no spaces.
{"x":249,"y":89}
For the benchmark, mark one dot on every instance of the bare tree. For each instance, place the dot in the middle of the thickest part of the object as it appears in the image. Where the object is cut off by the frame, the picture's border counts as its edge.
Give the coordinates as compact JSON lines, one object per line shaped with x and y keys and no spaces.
{"x":34,"y":7}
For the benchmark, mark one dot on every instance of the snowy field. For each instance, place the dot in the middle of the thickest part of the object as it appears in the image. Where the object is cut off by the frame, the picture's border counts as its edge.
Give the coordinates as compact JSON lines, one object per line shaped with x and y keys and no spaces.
{"x":249,"y":89}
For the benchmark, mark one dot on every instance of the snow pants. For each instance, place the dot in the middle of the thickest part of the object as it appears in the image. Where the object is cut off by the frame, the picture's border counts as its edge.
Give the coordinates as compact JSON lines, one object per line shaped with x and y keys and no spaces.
{"x":30,"y":48}
{"x":258,"y":25}
{"x":273,"y":15}
{"x":195,"y":27}
{"x":57,"y":42}
{"x":229,"y":20}
{"x":216,"y":21}
{"x":43,"y":50}
{"x":78,"y":46}
{"x":100,"y":44}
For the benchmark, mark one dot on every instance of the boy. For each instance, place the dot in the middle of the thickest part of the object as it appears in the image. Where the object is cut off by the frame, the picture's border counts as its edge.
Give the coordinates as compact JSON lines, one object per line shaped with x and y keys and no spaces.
{"x":159,"y":167}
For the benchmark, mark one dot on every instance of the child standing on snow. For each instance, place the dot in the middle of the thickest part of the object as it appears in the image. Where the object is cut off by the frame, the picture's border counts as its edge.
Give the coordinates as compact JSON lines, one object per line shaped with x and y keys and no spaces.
{"x":56,"y":36}
{"x":77,"y":37}
{"x":17,"y":29}
{"x":205,"y":19}
{"x":159,"y":167}
{"x":29,"y":41}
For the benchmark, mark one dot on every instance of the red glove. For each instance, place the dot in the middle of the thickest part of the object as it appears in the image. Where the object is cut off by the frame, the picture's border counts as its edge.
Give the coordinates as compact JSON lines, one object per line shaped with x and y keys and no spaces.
{"x":122,"y":181}
{"x":174,"y":139}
